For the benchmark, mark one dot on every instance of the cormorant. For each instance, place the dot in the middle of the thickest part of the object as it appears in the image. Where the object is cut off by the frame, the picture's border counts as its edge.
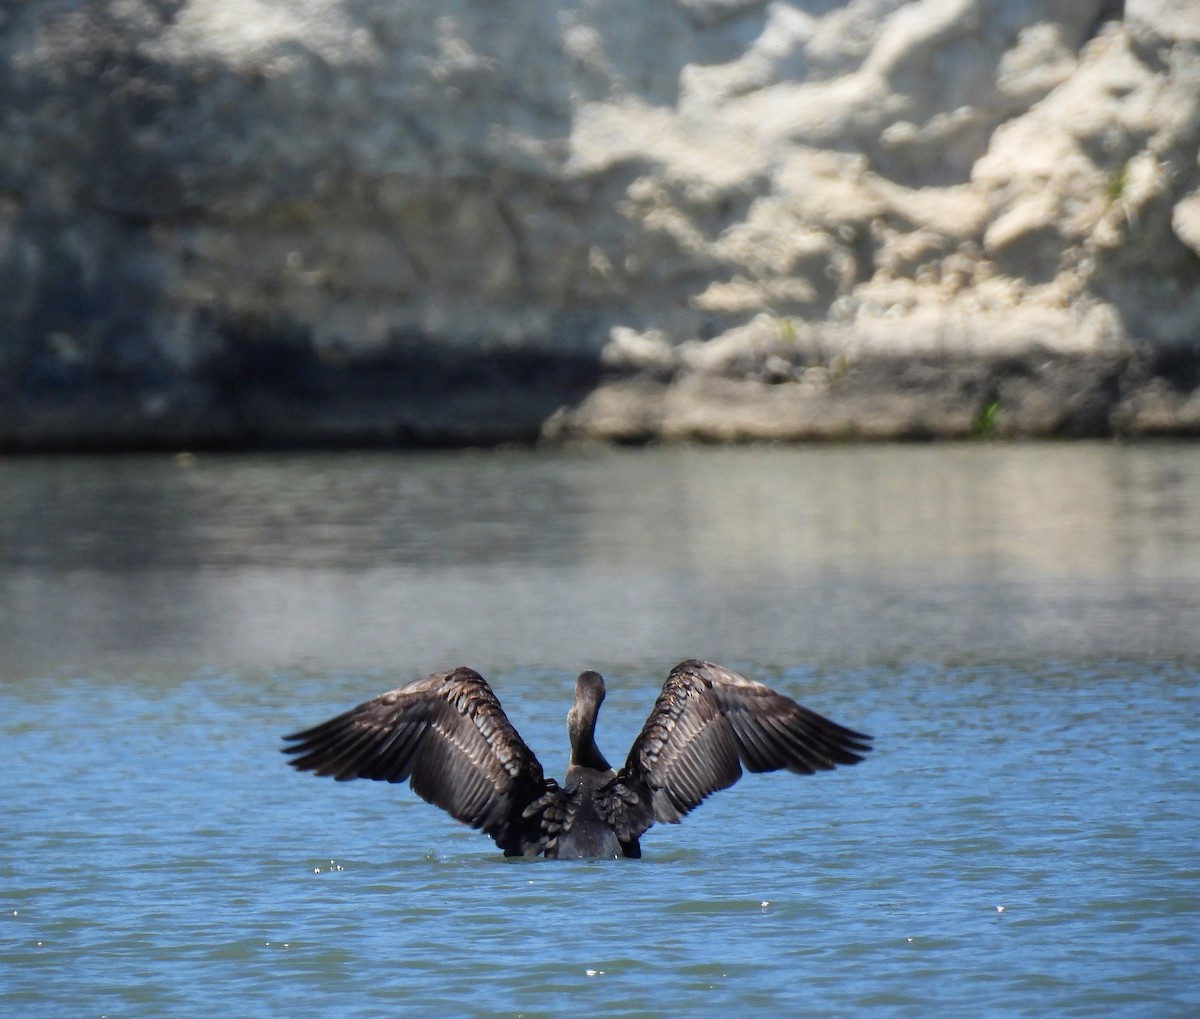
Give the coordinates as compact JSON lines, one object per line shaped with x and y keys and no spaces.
{"x":449,"y":737}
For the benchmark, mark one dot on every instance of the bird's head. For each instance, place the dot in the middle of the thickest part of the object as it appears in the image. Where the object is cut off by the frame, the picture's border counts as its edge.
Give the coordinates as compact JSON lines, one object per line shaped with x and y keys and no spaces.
{"x":589,"y":695}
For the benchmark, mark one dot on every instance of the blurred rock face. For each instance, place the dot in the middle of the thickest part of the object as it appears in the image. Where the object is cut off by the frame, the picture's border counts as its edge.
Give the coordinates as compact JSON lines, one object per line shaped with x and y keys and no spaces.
{"x":337,"y":221}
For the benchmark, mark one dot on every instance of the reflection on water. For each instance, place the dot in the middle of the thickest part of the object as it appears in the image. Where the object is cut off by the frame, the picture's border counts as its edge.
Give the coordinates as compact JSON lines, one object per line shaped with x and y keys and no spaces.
{"x":415,"y":561}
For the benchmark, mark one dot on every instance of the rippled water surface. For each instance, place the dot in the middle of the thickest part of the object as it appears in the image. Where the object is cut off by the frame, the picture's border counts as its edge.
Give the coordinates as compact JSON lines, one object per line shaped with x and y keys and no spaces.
{"x":1016,"y":626}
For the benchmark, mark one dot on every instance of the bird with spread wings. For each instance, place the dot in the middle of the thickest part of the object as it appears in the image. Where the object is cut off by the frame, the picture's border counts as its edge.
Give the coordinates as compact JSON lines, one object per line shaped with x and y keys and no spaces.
{"x":449,"y":738}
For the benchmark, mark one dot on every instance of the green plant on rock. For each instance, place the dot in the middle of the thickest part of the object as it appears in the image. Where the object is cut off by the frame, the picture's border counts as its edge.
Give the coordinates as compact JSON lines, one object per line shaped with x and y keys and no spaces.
{"x":1117,"y":184}
{"x":984,"y":425}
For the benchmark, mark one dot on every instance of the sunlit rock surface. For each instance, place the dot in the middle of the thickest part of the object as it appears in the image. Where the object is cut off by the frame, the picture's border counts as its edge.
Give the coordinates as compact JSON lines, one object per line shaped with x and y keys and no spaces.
{"x":265,"y":222}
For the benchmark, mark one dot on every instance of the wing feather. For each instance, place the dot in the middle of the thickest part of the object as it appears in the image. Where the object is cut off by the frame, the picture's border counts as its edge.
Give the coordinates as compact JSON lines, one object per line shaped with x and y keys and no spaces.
{"x":707,"y":724}
{"x":448,"y":736}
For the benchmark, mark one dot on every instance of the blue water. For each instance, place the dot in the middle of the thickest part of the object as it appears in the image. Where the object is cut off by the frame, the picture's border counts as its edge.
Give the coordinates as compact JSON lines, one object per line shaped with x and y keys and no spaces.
{"x":1023,"y":841}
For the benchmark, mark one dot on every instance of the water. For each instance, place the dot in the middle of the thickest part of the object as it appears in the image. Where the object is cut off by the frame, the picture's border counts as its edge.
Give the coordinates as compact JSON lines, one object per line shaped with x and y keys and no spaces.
{"x":1014,"y":624}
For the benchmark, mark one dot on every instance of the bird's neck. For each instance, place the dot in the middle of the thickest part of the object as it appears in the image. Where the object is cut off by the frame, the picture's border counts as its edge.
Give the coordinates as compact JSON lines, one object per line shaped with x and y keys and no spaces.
{"x":585,"y":753}
{"x":581,"y":726}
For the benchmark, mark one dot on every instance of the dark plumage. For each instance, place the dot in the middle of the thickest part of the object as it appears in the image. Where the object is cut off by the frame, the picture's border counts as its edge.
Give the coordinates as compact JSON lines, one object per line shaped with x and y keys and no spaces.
{"x":448,"y":736}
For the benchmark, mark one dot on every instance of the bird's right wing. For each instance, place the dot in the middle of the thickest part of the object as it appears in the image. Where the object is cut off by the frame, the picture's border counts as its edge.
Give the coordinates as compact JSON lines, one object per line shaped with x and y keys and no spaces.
{"x":706,"y":724}
{"x":449,"y":737}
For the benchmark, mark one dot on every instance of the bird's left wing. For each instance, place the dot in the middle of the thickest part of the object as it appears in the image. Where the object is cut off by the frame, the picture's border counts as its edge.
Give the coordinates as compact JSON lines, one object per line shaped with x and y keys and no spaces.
{"x":449,"y":737}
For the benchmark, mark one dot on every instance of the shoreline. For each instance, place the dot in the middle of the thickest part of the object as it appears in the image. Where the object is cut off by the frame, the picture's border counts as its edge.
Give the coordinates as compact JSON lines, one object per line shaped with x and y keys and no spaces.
{"x":1040,"y":394}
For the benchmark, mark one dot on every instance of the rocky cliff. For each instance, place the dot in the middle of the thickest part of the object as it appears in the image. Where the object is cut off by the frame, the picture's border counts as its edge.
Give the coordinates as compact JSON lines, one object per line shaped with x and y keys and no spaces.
{"x":264,"y":222}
